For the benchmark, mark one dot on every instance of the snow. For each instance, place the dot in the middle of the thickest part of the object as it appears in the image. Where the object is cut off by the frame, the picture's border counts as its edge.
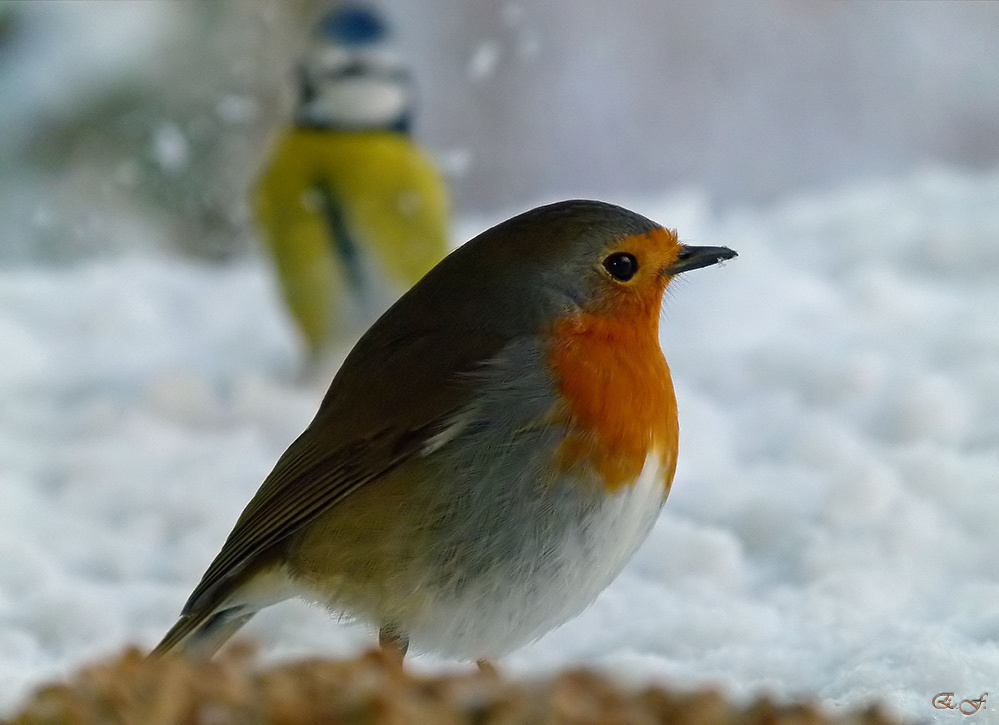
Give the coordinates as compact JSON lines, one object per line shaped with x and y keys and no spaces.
{"x":832,"y":529}
{"x":484,"y":61}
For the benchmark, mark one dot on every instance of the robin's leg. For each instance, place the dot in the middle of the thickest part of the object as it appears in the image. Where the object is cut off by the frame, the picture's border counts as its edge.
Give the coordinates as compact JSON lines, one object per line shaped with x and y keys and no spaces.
{"x":487,"y":668}
{"x":393,"y":642}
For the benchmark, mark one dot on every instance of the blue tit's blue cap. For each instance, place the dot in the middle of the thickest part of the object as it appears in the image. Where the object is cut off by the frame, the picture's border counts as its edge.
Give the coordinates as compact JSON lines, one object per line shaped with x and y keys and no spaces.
{"x":352,"y":24}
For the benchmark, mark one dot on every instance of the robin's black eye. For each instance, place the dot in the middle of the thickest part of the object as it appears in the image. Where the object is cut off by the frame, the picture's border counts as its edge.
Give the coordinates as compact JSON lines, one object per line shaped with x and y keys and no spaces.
{"x":621,"y":265}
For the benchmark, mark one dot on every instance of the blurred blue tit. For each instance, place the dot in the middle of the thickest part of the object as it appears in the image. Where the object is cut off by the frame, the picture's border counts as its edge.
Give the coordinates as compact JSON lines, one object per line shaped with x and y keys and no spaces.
{"x":351,"y":209}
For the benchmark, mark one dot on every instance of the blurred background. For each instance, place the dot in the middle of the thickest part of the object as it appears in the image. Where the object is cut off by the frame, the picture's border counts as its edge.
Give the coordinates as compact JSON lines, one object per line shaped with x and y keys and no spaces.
{"x":143,"y":124}
{"x":832,"y":526}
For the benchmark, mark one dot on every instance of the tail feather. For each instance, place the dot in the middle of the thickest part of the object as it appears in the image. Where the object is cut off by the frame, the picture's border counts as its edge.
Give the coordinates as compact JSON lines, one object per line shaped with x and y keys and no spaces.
{"x":201,"y":634}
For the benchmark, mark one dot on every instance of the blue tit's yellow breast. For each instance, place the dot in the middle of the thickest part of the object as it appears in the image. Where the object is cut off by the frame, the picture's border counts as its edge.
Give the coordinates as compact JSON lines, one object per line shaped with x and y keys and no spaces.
{"x":389,"y":191}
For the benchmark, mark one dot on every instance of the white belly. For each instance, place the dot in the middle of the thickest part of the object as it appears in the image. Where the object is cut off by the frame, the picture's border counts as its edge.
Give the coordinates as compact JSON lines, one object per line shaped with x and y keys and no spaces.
{"x":568,"y":558}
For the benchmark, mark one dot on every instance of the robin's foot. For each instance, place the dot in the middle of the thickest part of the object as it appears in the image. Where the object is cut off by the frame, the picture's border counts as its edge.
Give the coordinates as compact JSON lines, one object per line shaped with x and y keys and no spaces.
{"x":487,"y":668}
{"x":393,"y":643}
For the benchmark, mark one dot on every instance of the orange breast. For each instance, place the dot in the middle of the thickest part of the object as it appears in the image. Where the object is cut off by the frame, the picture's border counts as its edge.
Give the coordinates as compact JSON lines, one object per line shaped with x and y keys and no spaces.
{"x":617,"y":394}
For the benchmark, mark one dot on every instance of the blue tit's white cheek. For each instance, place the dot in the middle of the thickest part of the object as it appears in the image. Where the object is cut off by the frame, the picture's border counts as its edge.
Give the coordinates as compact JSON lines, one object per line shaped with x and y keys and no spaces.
{"x":363,"y":101}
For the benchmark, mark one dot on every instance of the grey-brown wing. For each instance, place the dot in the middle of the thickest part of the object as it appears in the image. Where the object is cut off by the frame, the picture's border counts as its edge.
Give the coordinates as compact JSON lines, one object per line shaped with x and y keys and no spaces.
{"x":400,"y":384}
{"x":308,"y":479}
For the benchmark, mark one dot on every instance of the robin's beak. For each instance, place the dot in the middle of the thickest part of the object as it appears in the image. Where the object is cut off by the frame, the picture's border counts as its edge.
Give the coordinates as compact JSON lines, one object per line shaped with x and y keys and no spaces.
{"x":697,"y":257}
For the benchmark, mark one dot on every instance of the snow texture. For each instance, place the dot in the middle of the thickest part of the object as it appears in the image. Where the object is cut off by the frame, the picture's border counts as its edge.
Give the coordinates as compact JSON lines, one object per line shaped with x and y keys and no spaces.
{"x":833,"y":525}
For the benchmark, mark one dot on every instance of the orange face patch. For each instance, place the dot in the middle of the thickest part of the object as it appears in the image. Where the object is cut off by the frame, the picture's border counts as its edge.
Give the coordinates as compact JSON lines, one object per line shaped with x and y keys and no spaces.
{"x":615,"y":385}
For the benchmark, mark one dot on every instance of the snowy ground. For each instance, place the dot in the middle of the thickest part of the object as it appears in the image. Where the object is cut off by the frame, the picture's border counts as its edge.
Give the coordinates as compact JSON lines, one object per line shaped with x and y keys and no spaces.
{"x":833,"y":525}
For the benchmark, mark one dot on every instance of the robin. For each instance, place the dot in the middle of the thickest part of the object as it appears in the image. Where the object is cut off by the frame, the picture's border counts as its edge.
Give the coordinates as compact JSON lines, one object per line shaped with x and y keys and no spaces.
{"x":351,"y":209}
{"x":490,"y":454}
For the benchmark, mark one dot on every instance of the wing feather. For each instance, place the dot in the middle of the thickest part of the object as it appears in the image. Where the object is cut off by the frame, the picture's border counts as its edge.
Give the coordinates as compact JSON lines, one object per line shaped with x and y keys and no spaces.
{"x":305,"y":482}
{"x":403,"y":381}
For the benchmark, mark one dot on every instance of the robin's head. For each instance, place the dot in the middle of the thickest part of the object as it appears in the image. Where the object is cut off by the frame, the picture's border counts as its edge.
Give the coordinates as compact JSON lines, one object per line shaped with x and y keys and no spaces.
{"x":555,"y":262}
{"x":585,"y":256}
